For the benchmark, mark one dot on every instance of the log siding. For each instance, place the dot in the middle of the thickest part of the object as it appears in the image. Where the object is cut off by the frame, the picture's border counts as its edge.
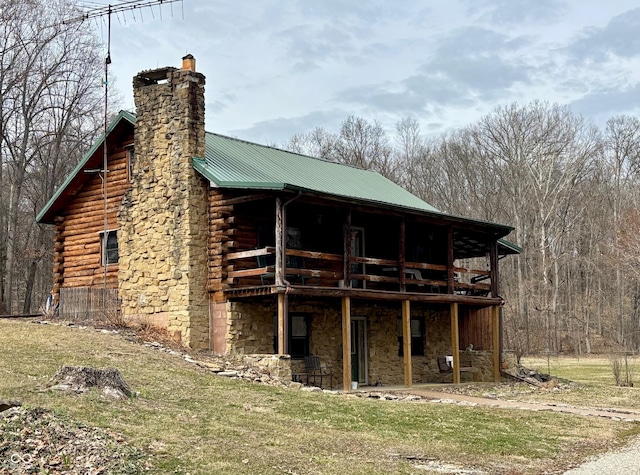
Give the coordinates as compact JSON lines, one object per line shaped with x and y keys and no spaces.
{"x":78,"y":231}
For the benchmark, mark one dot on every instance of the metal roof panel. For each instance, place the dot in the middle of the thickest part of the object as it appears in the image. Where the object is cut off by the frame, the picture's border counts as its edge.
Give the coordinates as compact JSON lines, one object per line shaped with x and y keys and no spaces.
{"x":234,"y":163}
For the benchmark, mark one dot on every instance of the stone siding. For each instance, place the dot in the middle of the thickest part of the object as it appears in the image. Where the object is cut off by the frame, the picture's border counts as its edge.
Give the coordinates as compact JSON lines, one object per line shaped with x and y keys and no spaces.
{"x":163,"y":219}
{"x":251,"y":329}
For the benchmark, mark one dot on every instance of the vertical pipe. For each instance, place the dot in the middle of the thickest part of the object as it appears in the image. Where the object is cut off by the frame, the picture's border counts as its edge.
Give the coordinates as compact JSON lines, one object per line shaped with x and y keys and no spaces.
{"x":105,"y":234}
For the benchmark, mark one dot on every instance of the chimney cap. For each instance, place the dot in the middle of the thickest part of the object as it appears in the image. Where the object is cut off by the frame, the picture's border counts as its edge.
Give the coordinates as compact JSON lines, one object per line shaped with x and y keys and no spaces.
{"x":189,"y":62}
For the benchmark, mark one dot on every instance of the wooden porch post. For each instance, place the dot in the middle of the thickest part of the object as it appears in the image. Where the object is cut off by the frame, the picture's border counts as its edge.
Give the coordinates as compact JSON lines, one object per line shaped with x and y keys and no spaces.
{"x":450,"y":261}
{"x":402,"y":257}
{"x":493,"y":264}
{"x":455,"y":343}
{"x":346,"y":343}
{"x":347,"y":251}
{"x":281,"y":325}
{"x":406,"y":342}
{"x":495,"y":317}
{"x":279,"y":277}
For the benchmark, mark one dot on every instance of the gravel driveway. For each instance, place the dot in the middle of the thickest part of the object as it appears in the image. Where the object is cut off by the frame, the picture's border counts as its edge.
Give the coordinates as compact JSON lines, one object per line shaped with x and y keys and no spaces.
{"x":625,"y":461}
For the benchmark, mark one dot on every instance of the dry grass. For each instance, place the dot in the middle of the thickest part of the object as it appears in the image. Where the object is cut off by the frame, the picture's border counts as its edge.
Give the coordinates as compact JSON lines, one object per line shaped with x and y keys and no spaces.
{"x":190,"y":421}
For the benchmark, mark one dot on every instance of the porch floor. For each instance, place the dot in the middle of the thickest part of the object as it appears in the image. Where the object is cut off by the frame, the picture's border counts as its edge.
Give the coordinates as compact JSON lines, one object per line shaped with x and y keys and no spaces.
{"x":435,"y":388}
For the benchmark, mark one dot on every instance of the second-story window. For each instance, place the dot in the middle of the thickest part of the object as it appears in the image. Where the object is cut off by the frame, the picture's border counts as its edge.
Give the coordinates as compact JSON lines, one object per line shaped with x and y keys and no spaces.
{"x":129,"y":150}
{"x":109,"y":241}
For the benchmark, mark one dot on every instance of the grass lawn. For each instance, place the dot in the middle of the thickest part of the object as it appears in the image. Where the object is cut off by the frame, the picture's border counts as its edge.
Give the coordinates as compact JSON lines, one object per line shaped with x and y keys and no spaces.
{"x":596,"y":386}
{"x":191,"y":421}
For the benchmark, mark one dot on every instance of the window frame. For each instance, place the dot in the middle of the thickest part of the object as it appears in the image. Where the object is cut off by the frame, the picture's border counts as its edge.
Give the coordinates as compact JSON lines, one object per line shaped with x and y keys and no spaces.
{"x":106,"y":252}
{"x":131,"y":156}
{"x":304,"y":339}
{"x":418,"y":341}
{"x":290,"y":337}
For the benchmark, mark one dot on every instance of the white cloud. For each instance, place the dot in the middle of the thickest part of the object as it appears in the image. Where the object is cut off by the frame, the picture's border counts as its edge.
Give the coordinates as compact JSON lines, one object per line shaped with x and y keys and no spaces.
{"x":277,"y":68}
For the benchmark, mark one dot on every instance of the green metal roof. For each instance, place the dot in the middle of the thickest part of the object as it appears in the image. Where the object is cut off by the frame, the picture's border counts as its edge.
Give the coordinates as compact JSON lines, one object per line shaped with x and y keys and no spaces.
{"x":233,"y":163}
{"x":507,"y":247}
{"x":46,"y":214}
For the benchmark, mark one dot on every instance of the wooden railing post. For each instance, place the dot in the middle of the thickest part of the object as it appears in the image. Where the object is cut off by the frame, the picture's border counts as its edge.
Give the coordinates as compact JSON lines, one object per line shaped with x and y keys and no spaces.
{"x":279,"y":234}
{"x":402,"y":257}
{"x":450,"y":260}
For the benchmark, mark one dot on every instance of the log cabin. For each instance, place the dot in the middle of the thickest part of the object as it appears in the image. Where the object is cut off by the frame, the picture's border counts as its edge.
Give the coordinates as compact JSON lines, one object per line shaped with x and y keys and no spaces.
{"x":246,"y":249}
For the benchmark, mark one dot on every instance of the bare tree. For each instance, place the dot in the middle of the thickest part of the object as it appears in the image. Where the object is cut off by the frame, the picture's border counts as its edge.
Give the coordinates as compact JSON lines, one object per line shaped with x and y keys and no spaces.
{"x":365,"y":145}
{"x":49,"y":84}
{"x":316,"y":143}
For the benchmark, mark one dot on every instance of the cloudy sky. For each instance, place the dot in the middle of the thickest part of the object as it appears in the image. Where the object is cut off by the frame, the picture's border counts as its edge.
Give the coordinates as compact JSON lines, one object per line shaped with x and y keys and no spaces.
{"x":275,"y":68}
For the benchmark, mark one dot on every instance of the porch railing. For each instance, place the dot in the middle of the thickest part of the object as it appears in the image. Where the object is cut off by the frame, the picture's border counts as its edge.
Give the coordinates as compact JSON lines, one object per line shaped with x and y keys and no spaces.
{"x":321,"y":269}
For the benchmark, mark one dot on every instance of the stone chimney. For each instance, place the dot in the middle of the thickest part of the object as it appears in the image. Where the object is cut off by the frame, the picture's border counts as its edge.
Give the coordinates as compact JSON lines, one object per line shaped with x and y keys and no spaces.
{"x":163,"y":219}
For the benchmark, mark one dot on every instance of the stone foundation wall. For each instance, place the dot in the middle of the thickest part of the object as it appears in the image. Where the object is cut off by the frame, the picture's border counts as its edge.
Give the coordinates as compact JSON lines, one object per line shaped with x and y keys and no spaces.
{"x":250,"y":327}
{"x":274,"y":366}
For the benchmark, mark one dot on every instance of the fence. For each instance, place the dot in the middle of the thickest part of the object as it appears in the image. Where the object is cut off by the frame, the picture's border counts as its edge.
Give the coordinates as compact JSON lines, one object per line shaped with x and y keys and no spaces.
{"x":89,"y":303}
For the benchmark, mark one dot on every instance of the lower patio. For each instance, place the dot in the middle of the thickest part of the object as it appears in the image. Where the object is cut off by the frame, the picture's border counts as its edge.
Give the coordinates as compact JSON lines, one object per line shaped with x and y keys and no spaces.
{"x":363,"y":342}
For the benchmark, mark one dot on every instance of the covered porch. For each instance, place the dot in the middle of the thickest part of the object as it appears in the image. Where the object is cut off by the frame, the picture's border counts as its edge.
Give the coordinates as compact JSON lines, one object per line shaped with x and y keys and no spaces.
{"x":370,"y":341}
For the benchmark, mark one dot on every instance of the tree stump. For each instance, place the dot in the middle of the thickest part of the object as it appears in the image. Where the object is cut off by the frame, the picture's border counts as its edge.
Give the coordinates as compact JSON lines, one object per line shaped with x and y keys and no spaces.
{"x":4,"y":404}
{"x":81,"y":379}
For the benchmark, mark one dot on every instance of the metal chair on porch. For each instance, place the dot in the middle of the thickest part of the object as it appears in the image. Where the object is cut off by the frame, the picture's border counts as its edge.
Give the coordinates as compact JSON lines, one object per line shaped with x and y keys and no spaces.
{"x":315,"y":370}
{"x":292,"y":261}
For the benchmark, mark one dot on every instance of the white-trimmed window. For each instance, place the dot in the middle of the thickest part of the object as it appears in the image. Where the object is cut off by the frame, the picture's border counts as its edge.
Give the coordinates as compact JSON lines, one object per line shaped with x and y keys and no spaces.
{"x":109,"y":246}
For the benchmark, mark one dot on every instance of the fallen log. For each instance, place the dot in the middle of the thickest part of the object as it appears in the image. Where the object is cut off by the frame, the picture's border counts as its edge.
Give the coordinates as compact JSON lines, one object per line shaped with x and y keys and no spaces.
{"x":31,"y":315}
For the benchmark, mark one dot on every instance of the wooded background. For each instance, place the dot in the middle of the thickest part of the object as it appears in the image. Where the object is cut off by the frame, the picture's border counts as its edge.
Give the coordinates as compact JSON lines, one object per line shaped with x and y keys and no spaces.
{"x":568,"y":187}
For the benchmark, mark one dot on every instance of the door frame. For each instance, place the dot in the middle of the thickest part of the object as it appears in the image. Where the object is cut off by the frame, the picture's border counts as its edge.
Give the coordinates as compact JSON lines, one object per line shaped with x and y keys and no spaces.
{"x":360,"y":322}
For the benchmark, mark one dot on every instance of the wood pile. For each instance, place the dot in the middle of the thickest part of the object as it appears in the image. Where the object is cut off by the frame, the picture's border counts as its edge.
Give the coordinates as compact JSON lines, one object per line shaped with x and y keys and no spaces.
{"x":529,"y":376}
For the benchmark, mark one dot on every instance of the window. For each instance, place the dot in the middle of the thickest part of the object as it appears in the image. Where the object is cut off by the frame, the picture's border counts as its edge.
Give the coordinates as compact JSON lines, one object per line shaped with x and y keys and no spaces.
{"x":299,"y":336}
{"x":299,"y":331}
{"x":109,"y":242}
{"x":130,"y":158}
{"x":417,"y":337}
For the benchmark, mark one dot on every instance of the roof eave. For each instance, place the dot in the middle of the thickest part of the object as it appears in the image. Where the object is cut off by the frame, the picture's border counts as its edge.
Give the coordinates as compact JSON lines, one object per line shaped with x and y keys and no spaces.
{"x":509,"y":247}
